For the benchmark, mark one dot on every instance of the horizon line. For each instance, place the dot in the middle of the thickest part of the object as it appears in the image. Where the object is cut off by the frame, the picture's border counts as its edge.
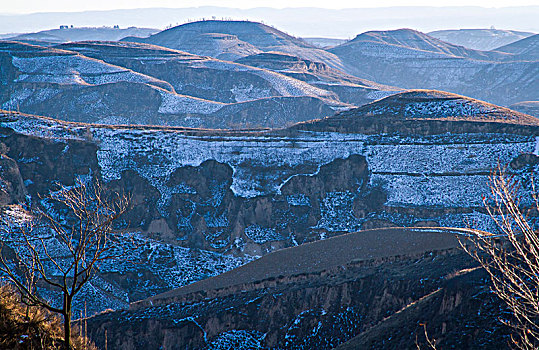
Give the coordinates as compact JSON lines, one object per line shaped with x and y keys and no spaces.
{"x":267,"y":7}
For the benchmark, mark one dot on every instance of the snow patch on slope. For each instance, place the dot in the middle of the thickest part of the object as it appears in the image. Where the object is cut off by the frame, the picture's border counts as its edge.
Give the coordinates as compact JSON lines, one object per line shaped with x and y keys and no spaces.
{"x":181,"y":104}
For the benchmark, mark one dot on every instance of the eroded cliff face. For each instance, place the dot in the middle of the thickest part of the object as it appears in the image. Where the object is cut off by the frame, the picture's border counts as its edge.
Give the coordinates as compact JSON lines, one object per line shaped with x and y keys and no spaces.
{"x":12,"y":189}
{"x":209,"y":201}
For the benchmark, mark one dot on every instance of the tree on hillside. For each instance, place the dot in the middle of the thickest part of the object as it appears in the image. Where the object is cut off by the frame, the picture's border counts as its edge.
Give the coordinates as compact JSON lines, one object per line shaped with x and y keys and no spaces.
{"x":511,"y":258}
{"x":61,"y":244}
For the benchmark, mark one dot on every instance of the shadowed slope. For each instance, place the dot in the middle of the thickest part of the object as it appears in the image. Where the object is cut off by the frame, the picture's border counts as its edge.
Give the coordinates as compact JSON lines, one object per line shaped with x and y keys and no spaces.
{"x":321,"y":255}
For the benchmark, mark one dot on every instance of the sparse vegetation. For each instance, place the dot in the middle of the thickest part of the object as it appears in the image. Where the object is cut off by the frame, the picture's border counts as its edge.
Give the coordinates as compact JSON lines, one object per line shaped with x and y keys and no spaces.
{"x":23,"y":327}
{"x":61,"y":253}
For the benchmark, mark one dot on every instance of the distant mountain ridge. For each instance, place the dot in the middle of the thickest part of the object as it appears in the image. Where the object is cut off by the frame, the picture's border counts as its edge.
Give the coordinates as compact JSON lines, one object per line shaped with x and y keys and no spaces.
{"x":411,"y":59}
{"x":303,"y":22}
{"x":480,"y":39}
{"x":83,"y":33}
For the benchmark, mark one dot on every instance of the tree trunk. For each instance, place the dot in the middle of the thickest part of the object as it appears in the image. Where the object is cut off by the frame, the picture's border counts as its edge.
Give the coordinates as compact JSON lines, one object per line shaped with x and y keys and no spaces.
{"x":67,"y":322}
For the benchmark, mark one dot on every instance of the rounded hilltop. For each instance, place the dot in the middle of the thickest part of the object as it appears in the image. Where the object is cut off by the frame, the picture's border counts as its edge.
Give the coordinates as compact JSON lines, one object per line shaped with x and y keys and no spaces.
{"x":231,"y":40}
{"x":433,"y":104}
{"x":257,"y":34}
{"x":410,"y":39}
{"x":426,"y":112}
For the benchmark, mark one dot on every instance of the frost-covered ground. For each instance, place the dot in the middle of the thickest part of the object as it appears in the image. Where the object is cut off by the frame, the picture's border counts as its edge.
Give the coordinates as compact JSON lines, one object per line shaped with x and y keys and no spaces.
{"x":427,"y":171}
{"x":73,"y":69}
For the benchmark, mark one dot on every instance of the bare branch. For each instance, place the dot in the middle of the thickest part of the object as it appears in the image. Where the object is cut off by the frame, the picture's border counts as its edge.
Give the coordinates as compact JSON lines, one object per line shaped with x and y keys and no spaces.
{"x":511,"y":259}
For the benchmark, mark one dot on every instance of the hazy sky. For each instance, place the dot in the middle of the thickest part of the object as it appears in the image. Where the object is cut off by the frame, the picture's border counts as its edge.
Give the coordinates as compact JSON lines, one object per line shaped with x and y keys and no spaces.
{"x":29,"y":6}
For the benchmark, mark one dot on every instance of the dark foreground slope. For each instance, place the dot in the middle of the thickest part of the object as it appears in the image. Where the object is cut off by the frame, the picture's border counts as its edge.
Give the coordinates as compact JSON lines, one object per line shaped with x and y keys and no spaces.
{"x":320,"y":295}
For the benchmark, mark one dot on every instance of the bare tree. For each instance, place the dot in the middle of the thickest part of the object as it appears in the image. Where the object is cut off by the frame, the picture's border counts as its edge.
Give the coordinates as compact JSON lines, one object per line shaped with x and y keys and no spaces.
{"x":511,"y":258}
{"x":63,"y":246}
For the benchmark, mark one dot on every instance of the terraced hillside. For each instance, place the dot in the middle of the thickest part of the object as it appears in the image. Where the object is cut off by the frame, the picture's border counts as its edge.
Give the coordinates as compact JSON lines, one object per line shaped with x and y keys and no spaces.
{"x":229,"y":82}
{"x":321,"y":295}
{"x":212,"y":200}
{"x":349,"y":88}
{"x":411,"y":59}
{"x":202,"y":92}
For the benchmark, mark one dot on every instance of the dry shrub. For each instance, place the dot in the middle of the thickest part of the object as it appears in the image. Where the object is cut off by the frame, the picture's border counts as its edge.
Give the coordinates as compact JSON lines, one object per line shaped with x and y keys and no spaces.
{"x":31,"y":327}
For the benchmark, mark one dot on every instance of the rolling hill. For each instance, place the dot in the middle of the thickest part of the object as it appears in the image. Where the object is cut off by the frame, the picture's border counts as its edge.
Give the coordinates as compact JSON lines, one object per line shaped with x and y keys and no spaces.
{"x":526,"y":49}
{"x":239,"y":37}
{"x":199,"y":76}
{"x":413,"y":39}
{"x":410,"y":59}
{"x":72,"y":86}
{"x":480,"y":39}
{"x":83,"y":34}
